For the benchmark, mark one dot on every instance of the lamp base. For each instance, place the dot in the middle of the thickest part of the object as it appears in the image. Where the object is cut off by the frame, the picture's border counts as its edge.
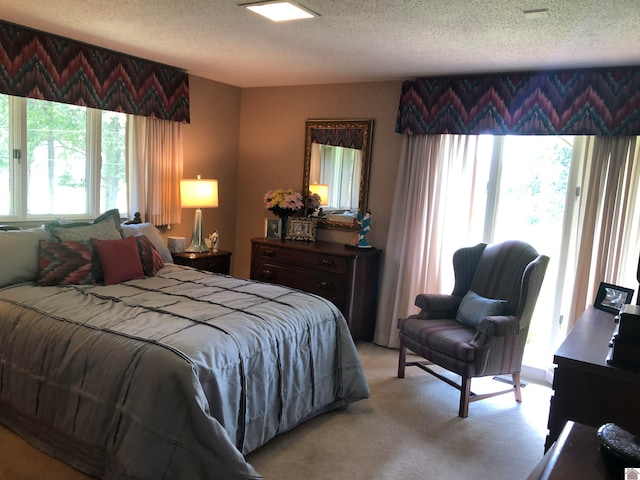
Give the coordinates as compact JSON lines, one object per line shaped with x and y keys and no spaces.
{"x":197,"y":244}
{"x":196,"y":248}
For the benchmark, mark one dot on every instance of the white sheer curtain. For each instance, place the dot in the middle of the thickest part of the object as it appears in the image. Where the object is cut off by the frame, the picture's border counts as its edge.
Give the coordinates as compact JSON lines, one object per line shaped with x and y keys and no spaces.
{"x":439,"y":206}
{"x":435,"y":199}
{"x":154,"y":169}
{"x":340,"y":168}
{"x":605,"y":222}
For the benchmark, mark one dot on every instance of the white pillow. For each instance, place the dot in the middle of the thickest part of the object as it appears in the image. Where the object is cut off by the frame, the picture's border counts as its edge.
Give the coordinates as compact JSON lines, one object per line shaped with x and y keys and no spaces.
{"x":20,"y":255}
{"x":153,"y":234}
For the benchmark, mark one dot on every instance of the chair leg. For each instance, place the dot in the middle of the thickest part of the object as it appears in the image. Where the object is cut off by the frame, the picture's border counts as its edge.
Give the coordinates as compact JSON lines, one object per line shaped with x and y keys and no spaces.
{"x":402,"y":359}
{"x":465,"y":392}
{"x":516,"y":383}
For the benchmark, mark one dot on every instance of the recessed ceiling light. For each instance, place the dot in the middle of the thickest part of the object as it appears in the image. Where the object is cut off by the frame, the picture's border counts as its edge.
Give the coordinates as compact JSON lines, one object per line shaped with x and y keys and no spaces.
{"x":279,"y":11}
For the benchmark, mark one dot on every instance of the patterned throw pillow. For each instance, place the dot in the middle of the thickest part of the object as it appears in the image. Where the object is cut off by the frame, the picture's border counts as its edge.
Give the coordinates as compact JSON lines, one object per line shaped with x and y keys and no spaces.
{"x":149,"y":256}
{"x":64,"y":263}
{"x":105,"y":227}
{"x":120,"y":259}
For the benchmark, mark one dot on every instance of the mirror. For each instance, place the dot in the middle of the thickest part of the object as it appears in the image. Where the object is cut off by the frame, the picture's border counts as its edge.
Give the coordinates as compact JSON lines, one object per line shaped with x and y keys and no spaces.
{"x":336,"y":166}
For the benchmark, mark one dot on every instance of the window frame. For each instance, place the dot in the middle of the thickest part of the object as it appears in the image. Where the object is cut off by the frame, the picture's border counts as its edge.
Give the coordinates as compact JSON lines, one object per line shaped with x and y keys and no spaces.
{"x":18,"y":165}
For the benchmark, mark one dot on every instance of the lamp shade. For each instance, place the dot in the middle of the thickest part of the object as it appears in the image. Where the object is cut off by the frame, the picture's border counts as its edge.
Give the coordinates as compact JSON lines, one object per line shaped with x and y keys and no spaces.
{"x":322,"y":189}
{"x":199,"y":193}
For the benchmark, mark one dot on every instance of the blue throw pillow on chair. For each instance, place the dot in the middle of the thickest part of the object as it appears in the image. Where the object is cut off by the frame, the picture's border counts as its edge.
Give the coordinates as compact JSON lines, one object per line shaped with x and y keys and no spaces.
{"x":474,"y":308}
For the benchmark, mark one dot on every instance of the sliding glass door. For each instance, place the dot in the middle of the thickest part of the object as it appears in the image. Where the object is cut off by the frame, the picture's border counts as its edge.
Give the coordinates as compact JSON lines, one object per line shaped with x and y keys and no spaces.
{"x":527,"y":190}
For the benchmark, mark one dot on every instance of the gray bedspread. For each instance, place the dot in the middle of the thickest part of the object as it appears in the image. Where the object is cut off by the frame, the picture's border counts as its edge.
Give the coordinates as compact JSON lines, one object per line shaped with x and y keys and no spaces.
{"x":171,"y":377}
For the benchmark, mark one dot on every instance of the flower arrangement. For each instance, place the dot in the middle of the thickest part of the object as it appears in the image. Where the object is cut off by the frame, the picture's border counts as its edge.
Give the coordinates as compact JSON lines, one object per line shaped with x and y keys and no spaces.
{"x":283,"y":203}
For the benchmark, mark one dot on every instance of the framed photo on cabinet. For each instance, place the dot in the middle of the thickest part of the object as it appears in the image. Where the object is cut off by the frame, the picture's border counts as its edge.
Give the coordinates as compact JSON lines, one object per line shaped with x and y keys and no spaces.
{"x":273,"y":228}
{"x":611,"y":298}
{"x":301,"y":229}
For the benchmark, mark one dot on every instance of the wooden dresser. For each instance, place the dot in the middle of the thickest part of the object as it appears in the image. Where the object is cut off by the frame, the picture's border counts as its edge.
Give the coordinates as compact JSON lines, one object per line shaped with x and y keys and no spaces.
{"x":586,"y":388}
{"x":348,"y":277}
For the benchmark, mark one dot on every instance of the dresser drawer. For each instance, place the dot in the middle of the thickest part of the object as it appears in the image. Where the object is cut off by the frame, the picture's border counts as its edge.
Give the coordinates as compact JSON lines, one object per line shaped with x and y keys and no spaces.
{"x":321,"y":261}
{"x":331,"y":287}
{"x":347,"y":277}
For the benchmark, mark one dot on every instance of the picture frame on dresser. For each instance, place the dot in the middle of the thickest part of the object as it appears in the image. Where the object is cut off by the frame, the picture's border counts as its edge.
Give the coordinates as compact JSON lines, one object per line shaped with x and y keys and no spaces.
{"x":611,"y":298}
{"x":272,"y":228}
{"x":302,"y":229}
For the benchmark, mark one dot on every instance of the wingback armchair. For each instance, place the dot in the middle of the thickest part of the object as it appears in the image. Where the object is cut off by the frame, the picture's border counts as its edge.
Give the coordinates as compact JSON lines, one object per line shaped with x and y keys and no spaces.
{"x":481,"y":328}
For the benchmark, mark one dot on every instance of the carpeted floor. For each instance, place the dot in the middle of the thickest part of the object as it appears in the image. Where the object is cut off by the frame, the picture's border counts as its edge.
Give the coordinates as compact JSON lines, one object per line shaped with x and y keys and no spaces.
{"x":409,"y":428}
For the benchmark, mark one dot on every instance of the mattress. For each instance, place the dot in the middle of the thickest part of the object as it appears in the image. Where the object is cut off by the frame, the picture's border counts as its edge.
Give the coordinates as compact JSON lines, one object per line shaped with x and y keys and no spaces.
{"x":175,"y":376}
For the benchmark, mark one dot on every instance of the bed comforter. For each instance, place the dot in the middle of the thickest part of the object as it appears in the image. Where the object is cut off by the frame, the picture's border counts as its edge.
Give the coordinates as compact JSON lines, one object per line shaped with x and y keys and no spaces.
{"x":171,"y":377}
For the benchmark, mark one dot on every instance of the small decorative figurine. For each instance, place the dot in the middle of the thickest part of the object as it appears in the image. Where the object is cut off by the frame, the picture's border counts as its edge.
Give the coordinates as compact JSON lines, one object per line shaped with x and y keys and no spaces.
{"x":136,"y":219}
{"x":214,"y":238}
{"x":365,"y":227}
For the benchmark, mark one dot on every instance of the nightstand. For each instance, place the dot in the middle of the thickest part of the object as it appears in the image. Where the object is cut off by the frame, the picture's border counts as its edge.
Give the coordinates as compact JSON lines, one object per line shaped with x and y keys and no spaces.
{"x":216,"y":262}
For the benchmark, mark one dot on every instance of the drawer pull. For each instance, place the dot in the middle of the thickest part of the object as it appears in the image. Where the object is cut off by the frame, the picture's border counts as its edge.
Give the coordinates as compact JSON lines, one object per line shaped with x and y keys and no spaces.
{"x":325,"y":285}
{"x":328,"y":263}
{"x":269,"y":252}
{"x":268,"y":275}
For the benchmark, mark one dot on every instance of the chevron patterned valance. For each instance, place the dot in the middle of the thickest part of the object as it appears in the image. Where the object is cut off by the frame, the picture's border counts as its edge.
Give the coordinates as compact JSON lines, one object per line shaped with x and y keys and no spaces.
{"x":39,"y":65}
{"x":339,"y":137}
{"x":568,"y":102}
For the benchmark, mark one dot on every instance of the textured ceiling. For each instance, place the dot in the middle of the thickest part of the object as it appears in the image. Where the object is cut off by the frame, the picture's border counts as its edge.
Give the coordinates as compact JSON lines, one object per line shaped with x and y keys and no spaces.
{"x":351,"y":40}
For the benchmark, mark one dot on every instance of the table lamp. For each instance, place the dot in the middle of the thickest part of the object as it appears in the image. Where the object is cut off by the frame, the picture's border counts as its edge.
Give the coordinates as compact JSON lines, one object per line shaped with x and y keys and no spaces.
{"x":198,"y":193}
{"x":322,"y":189}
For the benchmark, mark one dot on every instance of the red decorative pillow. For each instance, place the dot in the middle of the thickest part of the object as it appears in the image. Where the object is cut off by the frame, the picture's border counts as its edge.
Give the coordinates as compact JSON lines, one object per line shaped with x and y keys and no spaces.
{"x":64,"y":263}
{"x":149,"y":256}
{"x":120,"y":259}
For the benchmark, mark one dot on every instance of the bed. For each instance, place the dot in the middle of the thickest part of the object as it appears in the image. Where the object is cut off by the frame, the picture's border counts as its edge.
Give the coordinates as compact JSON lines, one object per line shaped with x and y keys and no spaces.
{"x":175,"y":375}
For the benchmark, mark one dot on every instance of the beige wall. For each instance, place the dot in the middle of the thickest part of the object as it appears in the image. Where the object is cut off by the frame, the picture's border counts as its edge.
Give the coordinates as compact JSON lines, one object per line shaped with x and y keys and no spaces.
{"x":211,"y":143}
{"x":252,"y":140}
{"x":272,"y":129}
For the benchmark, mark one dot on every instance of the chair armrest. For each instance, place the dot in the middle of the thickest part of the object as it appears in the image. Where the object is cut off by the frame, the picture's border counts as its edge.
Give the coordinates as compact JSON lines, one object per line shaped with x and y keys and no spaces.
{"x":437,"y":305}
{"x":499,"y":325}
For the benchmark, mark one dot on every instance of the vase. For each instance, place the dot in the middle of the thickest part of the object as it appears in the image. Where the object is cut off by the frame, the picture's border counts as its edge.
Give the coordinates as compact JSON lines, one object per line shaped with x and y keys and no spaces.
{"x":283,"y":226}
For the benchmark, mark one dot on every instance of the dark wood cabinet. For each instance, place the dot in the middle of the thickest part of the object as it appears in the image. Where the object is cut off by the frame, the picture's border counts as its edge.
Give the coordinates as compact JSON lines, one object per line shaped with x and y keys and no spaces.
{"x":575,"y":455}
{"x":346,"y":276}
{"x":587,"y":389}
{"x":216,"y":262}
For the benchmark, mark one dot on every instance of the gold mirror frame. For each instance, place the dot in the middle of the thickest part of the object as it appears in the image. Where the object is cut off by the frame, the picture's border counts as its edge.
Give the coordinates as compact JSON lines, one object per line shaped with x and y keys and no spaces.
{"x":363,"y":197}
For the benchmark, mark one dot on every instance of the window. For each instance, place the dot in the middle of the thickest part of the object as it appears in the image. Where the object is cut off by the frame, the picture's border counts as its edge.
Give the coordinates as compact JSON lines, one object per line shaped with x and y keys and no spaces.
{"x":529,"y":182}
{"x":5,"y":184}
{"x":58,"y":159}
{"x":532,"y":186}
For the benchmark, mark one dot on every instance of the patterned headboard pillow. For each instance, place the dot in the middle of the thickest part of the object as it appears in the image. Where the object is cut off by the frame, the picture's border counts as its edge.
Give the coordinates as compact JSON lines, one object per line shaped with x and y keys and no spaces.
{"x":105,"y":227}
{"x":19,"y":255}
